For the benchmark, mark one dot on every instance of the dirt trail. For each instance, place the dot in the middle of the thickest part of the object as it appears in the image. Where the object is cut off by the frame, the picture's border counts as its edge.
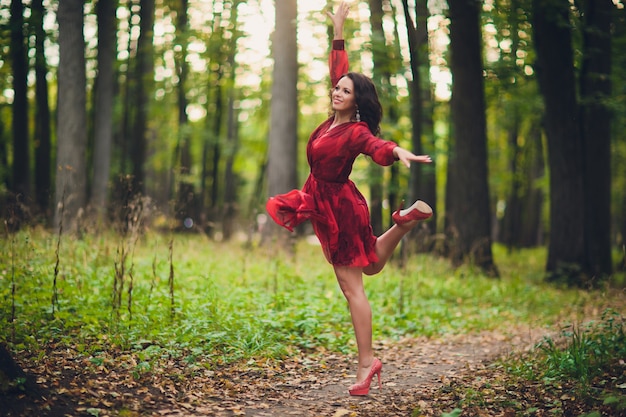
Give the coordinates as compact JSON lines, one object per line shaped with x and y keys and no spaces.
{"x":413,"y":371}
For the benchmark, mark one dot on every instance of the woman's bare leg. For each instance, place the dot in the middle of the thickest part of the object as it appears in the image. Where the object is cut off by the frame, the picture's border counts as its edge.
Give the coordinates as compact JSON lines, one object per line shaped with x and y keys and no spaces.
{"x":386,"y":244}
{"x":351,"y":283}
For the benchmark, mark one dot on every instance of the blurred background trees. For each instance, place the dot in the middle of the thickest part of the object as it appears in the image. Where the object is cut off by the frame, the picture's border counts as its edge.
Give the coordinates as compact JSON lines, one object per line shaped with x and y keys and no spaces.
{"x":110,"y":105}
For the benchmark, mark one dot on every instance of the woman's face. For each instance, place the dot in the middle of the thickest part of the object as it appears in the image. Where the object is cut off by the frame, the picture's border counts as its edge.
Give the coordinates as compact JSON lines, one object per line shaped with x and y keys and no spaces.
{"x":343,"y":99}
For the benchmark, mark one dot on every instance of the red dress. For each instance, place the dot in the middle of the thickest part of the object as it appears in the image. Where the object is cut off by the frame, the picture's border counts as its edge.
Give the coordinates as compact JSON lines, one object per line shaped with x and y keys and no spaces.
{"x":329,"y":199}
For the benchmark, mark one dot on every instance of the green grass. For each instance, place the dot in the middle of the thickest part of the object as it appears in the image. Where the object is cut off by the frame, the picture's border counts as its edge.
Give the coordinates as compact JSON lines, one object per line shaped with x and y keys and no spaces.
{"x":585,"y":363}
{"x":232,"y":302}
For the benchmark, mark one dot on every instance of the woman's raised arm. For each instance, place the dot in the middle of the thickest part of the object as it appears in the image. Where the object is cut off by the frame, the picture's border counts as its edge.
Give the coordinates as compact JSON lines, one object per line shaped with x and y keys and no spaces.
{"x":338,"y":59}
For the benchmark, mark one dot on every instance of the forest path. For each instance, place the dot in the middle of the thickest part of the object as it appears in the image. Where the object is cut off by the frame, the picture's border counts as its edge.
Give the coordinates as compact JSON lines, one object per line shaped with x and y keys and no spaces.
{"x":414,"y":371}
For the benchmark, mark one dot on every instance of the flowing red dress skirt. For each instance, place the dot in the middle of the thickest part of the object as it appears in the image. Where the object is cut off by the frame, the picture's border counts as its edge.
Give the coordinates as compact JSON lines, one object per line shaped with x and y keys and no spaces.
{"x":329,"y":199}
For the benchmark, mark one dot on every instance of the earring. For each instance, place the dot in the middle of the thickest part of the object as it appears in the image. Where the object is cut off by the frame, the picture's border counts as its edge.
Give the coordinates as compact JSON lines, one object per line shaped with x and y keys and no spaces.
{"x":358,"y":115}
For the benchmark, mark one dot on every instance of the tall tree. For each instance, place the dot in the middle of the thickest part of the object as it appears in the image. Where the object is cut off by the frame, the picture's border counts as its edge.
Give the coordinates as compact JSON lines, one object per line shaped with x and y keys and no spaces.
{"x":283,"y":139}
{"x":212,"y":145}
{"x":70,"y":188}
{"x":127,"y":91}
{"x":232,"y":134}
{"x":379,"y":76}
{"x":42,"y":111}
{"x":20,"y":183}
{"x":555,"y":74}
{"x":514,"y":108}
{"x":422,"y":181}
{"x":186,"y":195}
{"x":104,"y":96}
{"x":144,"y":77}
{"x":595,"y":92}
{"x":395,"y":190}
{"x":468,"y":219}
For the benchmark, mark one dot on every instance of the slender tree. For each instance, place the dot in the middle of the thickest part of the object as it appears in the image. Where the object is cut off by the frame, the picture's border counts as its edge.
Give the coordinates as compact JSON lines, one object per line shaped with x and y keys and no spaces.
{"x":43,"y":127}
{"x":555,"y":74}
{"x":21,"y":154}
{"x":104,"y":99}
{"x":186,"y":195}
{"x":396,"y":190}
{"x":468,"y":221}
{"x":379,"y":76}
{"x":144,"y":77}
{"x":128,"y":93}
{"x":282,"y":150}
{"x":422,"y":181}
{"x":232,"y":134}
{"x":70,"y":188}
{"x":212,"y":146}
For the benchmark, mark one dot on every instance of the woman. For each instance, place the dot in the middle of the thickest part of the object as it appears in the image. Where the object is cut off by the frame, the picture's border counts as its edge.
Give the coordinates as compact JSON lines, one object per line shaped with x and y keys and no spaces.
{"x":336,"y":209}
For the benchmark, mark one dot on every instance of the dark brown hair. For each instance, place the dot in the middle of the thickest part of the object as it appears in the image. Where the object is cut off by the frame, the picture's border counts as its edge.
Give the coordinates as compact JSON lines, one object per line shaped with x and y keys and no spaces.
{"x":366,"y":98}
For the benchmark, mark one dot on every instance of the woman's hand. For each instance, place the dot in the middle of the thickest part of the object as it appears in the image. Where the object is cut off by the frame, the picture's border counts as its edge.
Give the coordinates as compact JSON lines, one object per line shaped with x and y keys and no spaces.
{"x":406,"y":157}
{"x":338,"y":19}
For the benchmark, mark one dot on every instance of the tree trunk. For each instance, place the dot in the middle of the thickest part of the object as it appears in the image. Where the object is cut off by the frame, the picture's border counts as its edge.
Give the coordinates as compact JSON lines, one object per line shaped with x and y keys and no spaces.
{"x":595,"y":94}
{"x":380,"y":58}
{"x":533,"y":229}
{"x":145,"y":70}
{"x":70,"y":189}
{"x":20,"y":184}
{"x":232,"y":137}
{"x":129,"y":88}
{"x":283,"y":137}
{"x":185,"y":200}
{"x":422,"y":182}
{"x":512,"y":220}
{"x":43,"y":145}
{"x":555,"y":74}
{"x":103,"y":123}
{"x":214,"y":146}
{"x":4,"y":159}
{"x":230,"y":178}
{"x":467,"y":195}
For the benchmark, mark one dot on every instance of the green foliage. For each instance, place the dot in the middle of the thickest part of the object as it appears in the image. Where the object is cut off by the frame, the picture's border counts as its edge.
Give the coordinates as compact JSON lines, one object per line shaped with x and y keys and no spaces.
{"x":233,"y":302}
{"x":589,"y":350}
{"x":584,"y":358}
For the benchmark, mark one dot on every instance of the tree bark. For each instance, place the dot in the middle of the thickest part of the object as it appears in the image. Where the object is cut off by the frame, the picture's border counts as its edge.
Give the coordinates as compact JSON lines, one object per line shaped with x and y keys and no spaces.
{"x":468,"y":221}
{"x":595,"y":94}
{"x":43,"y":156}
{"x":422,"y":181}
{"x":380,"y":58}
{"x":20,"y":184}
{"x":232,"y":137}
{"x":185,"y":199}
{"x":533,"y":230}
{"x":103,"y":123}
{"x":283,"y":138}
{"x":145,"y":76}
{"x":70,"y":188}
{"x":555,"y":74}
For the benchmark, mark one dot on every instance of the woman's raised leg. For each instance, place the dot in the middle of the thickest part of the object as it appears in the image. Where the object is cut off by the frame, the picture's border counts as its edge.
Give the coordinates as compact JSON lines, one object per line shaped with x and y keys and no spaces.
{"x":388,"y":241}
{"x":385,"y":245}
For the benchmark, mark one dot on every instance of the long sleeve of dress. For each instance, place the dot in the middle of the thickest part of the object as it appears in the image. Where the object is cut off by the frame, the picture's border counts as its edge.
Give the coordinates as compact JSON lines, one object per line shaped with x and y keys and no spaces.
{"x":337,"y":61}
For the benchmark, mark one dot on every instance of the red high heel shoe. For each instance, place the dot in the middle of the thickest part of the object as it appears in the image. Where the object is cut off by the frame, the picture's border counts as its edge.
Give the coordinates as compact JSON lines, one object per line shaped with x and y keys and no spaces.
{"x":363,"y":388}
{"x":418,"y":211}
